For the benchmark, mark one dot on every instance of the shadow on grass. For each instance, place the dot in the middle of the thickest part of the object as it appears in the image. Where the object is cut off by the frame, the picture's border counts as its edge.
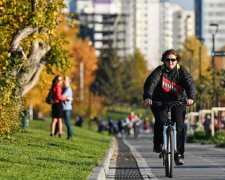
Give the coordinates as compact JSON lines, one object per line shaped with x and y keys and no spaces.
{"x":77,"y":163}
{"x":54,"y":144}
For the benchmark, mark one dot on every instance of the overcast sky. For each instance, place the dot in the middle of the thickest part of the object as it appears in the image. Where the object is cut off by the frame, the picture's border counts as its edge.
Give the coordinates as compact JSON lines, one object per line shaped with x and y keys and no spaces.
{"x":185,"y":4}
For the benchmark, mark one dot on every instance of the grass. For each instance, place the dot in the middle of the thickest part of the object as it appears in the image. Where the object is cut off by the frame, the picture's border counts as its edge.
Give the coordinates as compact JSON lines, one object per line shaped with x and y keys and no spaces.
{"x":35,"y":155}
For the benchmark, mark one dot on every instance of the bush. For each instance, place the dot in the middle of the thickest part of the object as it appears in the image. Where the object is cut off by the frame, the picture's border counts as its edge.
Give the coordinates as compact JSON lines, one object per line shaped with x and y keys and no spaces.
{"x":10,"y":117}
{"x":219,"y":139}
{"x":198,"y":136}
{"x":10,"y":105}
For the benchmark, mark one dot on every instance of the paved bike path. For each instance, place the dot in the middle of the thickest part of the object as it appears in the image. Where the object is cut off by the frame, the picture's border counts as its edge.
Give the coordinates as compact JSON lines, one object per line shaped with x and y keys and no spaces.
{"x":201,"y":161}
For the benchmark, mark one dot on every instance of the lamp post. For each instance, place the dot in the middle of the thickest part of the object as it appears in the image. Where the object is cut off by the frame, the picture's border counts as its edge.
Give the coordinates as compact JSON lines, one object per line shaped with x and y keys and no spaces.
{"x":190,"y":60}
{"x":213,"y":31}
{"x":201,"y":40}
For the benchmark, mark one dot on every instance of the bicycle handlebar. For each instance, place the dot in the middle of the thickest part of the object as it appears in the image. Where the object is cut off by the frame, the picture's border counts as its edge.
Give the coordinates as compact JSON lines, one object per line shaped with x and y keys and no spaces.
{"x":170,"y":103}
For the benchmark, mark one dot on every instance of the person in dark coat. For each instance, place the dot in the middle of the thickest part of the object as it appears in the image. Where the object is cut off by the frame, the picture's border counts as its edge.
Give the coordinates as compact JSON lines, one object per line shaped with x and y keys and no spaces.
{"x":169,"y":82}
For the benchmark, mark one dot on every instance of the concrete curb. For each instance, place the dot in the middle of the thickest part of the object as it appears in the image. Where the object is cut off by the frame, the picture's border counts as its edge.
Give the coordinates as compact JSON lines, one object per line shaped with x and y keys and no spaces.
{"x":100,"y":172}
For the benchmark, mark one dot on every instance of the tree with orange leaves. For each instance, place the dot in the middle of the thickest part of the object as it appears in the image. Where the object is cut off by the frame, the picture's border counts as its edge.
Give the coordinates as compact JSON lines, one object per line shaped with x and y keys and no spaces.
{"x":80,"y":52}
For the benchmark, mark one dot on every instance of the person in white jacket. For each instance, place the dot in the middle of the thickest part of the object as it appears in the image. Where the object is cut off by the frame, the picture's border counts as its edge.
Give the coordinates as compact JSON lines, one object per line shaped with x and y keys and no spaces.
{"x":67,"y":106}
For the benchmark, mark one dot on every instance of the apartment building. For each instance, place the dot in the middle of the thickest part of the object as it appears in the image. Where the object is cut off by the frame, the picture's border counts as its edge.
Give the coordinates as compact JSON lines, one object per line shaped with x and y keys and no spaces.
{"x":210,"y":12}
{"x":152,"y":26}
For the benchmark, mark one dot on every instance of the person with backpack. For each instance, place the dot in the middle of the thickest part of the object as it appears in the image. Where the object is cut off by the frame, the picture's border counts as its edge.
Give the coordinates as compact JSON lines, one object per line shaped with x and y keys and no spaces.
{"x":67,"y":106}
{"x":169,"y":82}
{"x":57,"y":108}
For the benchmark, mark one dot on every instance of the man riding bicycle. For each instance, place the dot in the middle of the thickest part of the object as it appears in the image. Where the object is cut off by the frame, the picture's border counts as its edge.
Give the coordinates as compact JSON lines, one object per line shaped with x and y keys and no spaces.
{"x":169,"y":82}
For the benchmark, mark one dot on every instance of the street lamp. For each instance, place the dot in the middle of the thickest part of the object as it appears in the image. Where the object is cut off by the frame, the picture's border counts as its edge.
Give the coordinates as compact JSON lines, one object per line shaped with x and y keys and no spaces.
{"x":213,"y":30}
{"x":201,"y":40}
{"x":190,"y":60}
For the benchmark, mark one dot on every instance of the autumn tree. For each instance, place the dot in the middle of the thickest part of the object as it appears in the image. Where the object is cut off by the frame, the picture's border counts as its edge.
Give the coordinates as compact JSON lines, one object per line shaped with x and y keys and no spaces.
{"x":29,"y":41}
{"x":191,"y":57}
{"x":195,"y":54}
{"x":83,"y":75}
{"x":137,"y":71}
{"x":80,"y":51}
{"x":220,"y":77}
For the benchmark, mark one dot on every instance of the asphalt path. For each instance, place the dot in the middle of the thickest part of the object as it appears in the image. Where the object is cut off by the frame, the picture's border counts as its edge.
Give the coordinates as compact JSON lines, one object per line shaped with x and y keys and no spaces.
{"x":201,"y":161}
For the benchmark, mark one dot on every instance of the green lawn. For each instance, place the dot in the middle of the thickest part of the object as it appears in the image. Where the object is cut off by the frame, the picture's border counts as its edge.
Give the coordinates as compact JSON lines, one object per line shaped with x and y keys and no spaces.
{"x":35,"y":155}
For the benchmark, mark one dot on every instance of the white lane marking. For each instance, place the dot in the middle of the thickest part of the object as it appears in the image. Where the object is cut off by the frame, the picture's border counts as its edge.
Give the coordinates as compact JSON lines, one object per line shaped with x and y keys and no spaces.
{"x":144,"y":168}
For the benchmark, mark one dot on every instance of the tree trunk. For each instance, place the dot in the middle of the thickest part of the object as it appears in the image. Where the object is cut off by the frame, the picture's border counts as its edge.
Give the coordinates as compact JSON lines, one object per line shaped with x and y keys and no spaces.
{"x":29,"y":75}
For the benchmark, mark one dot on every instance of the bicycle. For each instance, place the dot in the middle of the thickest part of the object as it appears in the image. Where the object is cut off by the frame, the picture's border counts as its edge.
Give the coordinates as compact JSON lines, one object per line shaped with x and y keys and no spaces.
{"x":169,"y":147}
{"x":136,"y":129}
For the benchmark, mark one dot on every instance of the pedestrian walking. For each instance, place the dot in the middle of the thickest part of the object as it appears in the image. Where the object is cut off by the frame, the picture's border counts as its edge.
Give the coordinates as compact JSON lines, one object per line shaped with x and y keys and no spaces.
{"x":169,"y":82}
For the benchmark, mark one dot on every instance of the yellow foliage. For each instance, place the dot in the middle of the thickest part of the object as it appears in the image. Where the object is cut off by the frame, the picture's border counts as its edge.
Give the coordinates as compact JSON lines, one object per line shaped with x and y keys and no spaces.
{"x":80,"y":51}
{"x":191,"y":57}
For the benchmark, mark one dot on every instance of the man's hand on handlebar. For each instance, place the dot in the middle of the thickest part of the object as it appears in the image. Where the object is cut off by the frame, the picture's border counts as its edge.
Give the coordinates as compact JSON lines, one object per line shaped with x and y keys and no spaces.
{"x":148,"y":101}
{"x":190,"y":102}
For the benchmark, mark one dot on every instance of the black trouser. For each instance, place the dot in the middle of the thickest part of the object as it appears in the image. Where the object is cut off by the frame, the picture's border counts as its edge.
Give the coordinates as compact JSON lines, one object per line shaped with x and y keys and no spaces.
{"x":178,"y":115}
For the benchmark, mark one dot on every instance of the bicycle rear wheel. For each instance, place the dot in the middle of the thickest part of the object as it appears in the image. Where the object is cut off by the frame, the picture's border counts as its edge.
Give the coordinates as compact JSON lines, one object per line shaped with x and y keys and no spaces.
{"x":169,"y":159}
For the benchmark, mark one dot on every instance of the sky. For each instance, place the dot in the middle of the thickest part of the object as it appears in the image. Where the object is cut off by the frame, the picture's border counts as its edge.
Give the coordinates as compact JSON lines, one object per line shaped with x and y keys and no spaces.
{"x":185,"y":4}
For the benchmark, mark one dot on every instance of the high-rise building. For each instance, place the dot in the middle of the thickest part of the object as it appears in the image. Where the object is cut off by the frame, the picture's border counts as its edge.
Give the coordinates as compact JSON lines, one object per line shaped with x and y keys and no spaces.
{"x":177,"y":25}
{"x":143,"y":27}
{"x":103,"y":21}
{"x":210,"y":12}
{"x":183,"y":27}
{"x":152,"y":26}
{"x":167,"y":11}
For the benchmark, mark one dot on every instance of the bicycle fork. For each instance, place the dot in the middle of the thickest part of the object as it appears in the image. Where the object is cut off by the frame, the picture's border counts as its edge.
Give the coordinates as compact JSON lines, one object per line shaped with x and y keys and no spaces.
{"x":165,"y":127}
{"x":164,"y":150}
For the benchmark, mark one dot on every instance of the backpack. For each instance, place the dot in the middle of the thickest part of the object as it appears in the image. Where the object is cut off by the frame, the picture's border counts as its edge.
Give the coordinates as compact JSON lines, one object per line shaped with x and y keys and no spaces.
{"x":49,"y":99}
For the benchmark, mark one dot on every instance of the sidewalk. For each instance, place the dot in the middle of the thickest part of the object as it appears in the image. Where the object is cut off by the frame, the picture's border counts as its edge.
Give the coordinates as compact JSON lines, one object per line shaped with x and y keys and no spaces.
{"x":132,"y":158}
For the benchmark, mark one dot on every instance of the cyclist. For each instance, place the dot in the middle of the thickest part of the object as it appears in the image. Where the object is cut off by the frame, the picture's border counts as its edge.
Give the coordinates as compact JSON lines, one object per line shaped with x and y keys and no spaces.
{"x":169,"y":82}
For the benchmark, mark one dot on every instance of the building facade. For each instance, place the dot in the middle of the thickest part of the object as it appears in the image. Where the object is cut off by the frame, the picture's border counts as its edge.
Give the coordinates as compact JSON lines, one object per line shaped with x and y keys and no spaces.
{"x":183,"y":27}
{"x":206,"y":13}
{"x":177,"y":25}
{"x":104,"y":23}
{"x":152,"y":26}
{"x":143,"y":27}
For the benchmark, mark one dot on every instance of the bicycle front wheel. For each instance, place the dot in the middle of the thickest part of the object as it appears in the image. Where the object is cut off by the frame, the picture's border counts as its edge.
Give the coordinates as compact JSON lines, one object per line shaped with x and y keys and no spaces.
{"x":169,"y":161}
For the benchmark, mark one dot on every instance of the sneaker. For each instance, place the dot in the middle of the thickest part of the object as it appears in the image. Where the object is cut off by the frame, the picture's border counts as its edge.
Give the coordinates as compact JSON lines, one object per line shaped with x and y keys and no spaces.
{"x":179,"y":159}
{"x":157,"y":148}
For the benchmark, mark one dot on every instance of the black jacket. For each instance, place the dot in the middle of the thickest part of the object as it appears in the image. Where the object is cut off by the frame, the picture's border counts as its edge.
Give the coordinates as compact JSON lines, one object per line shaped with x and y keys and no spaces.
{"x":162,"y":85}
